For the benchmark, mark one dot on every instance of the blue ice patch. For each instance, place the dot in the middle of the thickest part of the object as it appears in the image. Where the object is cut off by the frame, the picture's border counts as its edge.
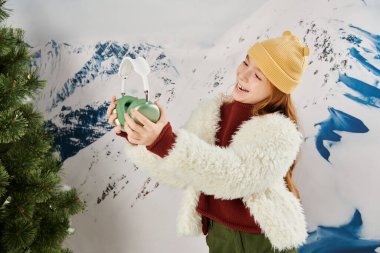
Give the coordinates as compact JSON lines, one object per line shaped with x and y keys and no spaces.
{"x":339,"y":121}
{"x":342,"y":239}
{"x":369,"y":95}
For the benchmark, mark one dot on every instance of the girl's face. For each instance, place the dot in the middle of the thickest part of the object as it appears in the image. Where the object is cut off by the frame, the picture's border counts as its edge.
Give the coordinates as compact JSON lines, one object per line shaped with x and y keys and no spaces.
{"x":255,"y":85}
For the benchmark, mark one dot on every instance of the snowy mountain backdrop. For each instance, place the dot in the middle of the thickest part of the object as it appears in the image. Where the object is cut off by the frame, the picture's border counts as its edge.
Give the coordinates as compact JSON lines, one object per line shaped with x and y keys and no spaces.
{"x":338,"y":105}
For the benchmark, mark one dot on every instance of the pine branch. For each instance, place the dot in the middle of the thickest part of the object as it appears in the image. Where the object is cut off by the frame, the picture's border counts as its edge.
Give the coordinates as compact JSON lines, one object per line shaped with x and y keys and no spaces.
{"x":4,"y":177}
{"x":4,"y":12}
{"x":34,"y":210}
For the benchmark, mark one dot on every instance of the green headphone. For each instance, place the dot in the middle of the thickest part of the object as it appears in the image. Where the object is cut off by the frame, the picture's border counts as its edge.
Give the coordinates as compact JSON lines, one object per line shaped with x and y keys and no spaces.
{"x":125,"y":103}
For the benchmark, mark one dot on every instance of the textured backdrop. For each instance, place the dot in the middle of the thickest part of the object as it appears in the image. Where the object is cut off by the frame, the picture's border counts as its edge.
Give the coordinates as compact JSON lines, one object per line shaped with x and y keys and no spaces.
{"x":193,"y":49}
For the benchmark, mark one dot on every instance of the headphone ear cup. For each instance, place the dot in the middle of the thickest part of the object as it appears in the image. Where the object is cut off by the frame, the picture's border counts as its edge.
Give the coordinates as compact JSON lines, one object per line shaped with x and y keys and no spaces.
{"x":122,"y":105}
{"x":148,"y":109}
{"x":151,"y":111}
{"x":136,"y":105}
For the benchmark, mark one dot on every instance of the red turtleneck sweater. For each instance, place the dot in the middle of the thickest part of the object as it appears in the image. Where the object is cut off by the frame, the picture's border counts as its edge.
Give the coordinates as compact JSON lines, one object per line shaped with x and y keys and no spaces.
{"x":231,"y":213}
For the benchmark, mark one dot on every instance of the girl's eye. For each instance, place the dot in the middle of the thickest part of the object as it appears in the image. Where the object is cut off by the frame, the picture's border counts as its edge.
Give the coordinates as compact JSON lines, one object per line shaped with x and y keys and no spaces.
{"x":255,"y":74}
{"x":257,"y":77}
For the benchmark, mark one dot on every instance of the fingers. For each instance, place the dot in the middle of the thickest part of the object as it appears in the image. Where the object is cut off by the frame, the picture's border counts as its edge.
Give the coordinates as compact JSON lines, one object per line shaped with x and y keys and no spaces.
{"x":130,"y":123}
{"x":132,"y":140}
{"x":132,"y":135}
{"x":111,"y":119}
{"x":162,"y":111}
{"x":117,"y":129}
{"x":109,"y":110}
{"x":111,"y":106}
{"x":144,"y":120}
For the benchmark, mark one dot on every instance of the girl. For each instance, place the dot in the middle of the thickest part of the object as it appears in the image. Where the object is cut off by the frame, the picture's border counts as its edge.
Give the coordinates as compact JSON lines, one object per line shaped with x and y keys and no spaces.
{"x":235,"y":155}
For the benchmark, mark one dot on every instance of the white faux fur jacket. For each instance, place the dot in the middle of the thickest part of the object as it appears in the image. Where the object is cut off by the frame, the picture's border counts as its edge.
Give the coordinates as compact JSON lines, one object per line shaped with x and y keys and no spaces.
{"x":252,"y":167}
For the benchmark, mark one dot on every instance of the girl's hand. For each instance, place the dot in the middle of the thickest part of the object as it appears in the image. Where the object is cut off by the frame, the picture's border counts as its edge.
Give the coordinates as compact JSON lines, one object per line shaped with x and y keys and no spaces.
{"x":146,"y":134}
{"x":111,"y":117}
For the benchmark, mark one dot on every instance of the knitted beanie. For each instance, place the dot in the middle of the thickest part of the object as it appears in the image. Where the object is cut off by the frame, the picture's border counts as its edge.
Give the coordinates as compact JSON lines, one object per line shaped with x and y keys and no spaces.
{"x":282,"y":60}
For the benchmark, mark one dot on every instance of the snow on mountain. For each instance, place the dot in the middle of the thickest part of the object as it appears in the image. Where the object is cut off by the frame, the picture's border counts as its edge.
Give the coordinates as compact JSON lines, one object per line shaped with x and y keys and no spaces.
{"x":56,"y":62}
{"x":72,"y":104}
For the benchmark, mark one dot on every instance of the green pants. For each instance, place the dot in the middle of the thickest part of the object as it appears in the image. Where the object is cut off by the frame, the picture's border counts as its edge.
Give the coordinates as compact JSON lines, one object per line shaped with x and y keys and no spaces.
{"x":222,"y":239}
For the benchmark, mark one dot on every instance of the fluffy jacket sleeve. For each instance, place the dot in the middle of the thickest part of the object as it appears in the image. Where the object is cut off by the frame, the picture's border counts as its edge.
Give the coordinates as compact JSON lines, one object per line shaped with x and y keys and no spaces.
{"x":261,"y":153}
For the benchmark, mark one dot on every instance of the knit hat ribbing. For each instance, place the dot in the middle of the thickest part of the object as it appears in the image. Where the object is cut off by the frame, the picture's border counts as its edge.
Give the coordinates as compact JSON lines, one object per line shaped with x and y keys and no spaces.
{"x":282,"y":60}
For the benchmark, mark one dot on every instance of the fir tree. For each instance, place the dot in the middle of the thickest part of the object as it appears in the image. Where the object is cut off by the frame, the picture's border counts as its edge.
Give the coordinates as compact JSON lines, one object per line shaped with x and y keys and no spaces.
{"x":35,"y":208}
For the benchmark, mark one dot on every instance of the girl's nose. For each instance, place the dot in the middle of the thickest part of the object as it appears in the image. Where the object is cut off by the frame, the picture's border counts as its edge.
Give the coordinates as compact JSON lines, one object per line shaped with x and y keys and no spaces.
{"x":244,"y":75}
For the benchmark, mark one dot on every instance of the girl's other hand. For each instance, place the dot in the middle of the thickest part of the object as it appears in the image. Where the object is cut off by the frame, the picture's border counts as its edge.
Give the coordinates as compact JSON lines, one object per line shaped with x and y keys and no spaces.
{"x":111,"y":117}
{"x":146,"y":134}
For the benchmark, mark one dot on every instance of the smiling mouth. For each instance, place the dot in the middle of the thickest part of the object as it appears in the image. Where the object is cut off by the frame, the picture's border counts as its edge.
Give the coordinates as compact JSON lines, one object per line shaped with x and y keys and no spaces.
{"x":241,"y":88}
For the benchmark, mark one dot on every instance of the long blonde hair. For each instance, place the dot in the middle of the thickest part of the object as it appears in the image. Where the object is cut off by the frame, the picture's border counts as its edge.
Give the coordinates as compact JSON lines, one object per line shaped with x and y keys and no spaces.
{"x":282,"y":102}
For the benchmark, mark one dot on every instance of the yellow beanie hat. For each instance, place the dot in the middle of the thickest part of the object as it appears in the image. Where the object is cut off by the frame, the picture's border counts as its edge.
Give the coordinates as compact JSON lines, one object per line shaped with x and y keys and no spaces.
{"x":282,"y":60}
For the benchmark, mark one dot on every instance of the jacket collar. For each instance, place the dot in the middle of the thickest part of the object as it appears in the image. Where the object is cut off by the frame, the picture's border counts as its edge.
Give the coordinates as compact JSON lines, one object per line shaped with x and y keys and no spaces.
{"x":204,"y":122}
